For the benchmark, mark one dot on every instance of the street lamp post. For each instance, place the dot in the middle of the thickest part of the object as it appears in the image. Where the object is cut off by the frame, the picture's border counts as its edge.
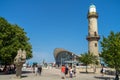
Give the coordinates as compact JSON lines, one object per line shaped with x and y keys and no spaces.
{"x":72,"y":60}
{"x":61,"y":61}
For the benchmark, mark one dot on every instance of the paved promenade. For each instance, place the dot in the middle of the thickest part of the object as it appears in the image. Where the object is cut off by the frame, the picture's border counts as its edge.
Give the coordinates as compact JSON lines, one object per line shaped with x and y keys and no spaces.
{"x":54,"y":74}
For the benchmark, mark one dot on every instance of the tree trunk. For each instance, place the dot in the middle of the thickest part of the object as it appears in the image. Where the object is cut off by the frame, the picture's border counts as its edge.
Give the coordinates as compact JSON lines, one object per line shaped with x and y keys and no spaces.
{"x":86,"y":69}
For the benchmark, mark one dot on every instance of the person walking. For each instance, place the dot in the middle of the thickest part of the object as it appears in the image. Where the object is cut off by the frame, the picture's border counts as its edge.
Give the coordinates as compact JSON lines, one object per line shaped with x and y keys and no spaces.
{"x":66,"y":70}
{"x":103,"y":70}
{"x":36,"y":70}
{"x":74,"y":71}
{"x":39,"y":69}
{"x":70,"y":72}
{"x":63,"y":72}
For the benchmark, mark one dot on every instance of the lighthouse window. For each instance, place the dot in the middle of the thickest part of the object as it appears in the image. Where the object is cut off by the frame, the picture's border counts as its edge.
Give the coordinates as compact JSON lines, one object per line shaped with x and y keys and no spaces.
{"x":95,"y":44}
{"x":95,"y":33}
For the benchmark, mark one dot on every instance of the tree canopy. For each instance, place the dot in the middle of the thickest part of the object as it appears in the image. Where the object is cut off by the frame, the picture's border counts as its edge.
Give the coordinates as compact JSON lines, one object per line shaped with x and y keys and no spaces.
{"x":12,"y":38}
{"x":111,"y":51}
{"x":88,"y":58}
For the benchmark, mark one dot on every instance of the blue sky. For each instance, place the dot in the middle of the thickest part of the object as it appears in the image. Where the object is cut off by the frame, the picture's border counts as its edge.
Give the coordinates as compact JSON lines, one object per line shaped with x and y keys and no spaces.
{"x":54,"y":24}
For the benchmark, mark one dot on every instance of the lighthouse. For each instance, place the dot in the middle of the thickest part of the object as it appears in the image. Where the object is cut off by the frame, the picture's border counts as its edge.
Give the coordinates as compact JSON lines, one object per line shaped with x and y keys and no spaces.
{"x":93,"y":36}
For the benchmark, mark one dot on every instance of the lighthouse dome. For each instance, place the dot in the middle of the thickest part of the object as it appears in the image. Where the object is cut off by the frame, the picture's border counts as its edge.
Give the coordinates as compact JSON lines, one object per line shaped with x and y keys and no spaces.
{"x":92,"y":8}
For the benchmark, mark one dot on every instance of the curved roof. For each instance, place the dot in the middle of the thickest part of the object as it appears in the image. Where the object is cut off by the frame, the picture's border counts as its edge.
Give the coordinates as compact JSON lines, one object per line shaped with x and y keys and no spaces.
{"x":58,"y":50}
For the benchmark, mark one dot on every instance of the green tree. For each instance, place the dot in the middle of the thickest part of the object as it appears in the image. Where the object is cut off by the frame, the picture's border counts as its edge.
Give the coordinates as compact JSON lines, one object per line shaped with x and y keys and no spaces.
{"x":88,"y":58}
{"x":12,"y":38}
{"x":95,"y":62}
{"x":111,"y":51}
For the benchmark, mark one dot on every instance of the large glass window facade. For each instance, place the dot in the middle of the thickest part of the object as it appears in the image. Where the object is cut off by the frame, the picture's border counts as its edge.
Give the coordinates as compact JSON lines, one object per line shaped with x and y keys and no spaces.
{"x":62,"y":57}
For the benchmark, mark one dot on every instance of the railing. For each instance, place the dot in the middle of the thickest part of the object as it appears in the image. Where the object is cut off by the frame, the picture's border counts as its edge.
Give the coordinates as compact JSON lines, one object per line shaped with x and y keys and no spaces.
{"x":93,"y":37}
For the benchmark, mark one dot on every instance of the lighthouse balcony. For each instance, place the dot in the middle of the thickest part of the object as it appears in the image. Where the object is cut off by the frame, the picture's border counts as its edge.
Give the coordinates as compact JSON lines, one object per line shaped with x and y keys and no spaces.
{"x":92,"y":14}
{"x":93,"y":37}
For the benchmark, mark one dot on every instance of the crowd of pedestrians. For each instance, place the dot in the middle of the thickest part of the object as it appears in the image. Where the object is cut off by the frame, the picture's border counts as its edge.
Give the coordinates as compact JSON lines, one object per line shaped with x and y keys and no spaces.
{"x":68,"y":71}
{"x":8,"y":69}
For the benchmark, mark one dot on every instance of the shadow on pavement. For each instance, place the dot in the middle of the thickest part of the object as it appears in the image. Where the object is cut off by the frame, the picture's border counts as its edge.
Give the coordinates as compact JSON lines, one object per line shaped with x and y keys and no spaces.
{"x":87,"y":72}
{"x":105,"y":78}
{"x":10,"y":73}
{"x":24,"y":72}
{"x":23,"y":76}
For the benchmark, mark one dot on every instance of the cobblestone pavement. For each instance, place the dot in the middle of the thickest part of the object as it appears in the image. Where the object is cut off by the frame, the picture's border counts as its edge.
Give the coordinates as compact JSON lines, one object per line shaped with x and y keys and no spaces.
{"x":54,"y":74}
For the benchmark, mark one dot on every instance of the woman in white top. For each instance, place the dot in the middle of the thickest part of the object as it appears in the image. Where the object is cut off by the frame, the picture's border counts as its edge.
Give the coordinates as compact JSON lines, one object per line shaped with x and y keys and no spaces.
{"x":36,"y":70}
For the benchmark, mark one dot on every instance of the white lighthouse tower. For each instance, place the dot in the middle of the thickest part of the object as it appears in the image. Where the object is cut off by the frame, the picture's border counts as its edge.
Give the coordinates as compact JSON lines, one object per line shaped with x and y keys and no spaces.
{"x":93,"y":36}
